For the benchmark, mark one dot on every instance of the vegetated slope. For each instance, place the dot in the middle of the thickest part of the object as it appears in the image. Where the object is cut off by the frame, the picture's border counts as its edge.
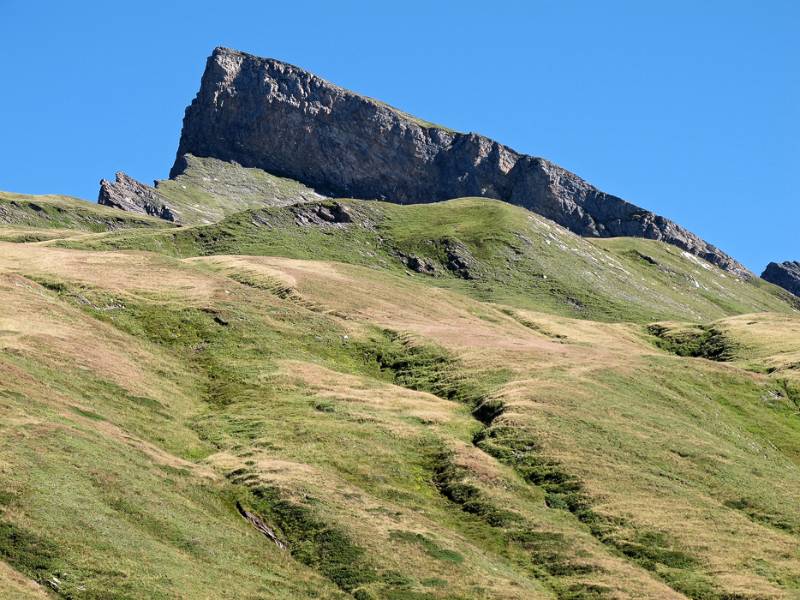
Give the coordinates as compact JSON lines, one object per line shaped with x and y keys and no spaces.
{"x":24,"y":217}
{"x":206,"y":191}
{"x":763,"y":342}
{"x":166,"y":421}
{"x":489,"y":249}
{"x":209,"y":189}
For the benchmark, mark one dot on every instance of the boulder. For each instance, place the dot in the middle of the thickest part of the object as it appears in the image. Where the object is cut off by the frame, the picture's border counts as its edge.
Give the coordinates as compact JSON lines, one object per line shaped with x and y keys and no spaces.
{"x":785,"y":275}
{"x":128,"y":194}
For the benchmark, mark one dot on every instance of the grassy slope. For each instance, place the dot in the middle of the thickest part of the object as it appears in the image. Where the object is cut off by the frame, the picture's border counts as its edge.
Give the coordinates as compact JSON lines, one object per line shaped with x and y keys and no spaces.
{"x":210,"y":189}
{"x":482,"y":451}
{"x":513,"y":256}
{"x":406,"y":435}
{"x":26,"y":218}
{"x":762,"y":343}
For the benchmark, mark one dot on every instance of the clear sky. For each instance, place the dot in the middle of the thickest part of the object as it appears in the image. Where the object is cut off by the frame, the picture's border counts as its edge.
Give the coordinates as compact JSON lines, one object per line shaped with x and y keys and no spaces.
{"x":688,"y":108}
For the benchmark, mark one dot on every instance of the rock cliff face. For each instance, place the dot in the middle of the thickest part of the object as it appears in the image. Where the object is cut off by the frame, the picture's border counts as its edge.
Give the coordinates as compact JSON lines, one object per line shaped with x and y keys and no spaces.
{"x":785,"y":274}
{"x":131,"y":195}
{"x":268,"y":114}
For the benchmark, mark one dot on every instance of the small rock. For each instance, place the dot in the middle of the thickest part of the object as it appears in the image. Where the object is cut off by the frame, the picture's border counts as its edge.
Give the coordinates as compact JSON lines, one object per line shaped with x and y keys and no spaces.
{"x":420,"y":265}
{"x":128,"y":194}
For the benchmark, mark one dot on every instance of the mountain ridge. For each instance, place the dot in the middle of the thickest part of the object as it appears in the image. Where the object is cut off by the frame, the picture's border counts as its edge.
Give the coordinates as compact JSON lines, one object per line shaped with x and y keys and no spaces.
{"x":268,"y":114}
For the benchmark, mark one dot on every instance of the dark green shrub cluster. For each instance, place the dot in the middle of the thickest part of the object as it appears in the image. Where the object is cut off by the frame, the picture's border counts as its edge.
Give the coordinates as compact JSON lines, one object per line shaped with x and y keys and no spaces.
{"x":652,"y":550}
{"x":426,"y":368}
{"x":324,"y":547}
{"x":519,"y":450}
{"x":430,"y":547}
{"x":760,"y":515}
{"x":313,"y":542}
{"x":449,"y":480}
{"x":28,"y":553}
{"x":700,"y":342}
{"x":551,"y":553}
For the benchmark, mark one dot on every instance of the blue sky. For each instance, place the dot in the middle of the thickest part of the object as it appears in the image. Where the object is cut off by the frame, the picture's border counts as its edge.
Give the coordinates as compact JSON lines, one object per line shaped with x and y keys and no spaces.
{"x":690,"y":109}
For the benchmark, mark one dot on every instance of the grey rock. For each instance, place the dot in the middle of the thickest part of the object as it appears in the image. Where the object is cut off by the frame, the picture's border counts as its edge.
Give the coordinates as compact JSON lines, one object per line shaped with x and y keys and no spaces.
{"x":785,"y":275}
{"x":268,"y":114}
{"x":460,"y":260}
{"x":260,"y":525}
{"x":206,"y":192}
{"x":332,"y":213}
{"x":419,"y":264}
{"x":128,"y":194}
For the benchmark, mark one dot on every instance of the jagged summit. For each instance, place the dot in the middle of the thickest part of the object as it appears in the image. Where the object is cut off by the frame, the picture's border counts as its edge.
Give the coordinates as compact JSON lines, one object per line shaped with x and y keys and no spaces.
{"x":128,"y":194}
{"x":785,"y":274}
{"x":268,"y":114}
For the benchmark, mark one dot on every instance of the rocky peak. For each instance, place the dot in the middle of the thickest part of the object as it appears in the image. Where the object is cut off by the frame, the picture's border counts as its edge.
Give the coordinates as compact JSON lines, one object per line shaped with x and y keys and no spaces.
{"x":260,"y":112}
{"x":785,"y":274}
{"x":129,"y":194}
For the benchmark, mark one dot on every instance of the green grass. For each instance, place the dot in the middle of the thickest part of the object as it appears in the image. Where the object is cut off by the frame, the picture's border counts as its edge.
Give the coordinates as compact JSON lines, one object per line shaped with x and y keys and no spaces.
{"x":426,"y":368}
{"x":488,"y":249}
{"x":26,"y":552}
{"x":32,"y":217}
{"x":210,"y":189}
{"x":431,"y":548}
{"x":320,"y":546}
{"x":478,"y":432}
{"x":693,"y":340}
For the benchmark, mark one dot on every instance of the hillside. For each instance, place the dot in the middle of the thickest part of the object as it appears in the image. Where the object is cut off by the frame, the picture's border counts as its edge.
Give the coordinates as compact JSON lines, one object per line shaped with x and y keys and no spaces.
{"x":25,"y":217}
{"x":398,"y":436}
{"x":362,"y":376}
{"x":488,"y":249}
{"x":205,"y":192}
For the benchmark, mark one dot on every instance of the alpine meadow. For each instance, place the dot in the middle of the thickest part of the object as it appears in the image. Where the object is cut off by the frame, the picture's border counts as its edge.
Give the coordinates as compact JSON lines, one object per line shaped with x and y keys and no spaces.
{"x":343,"y":352}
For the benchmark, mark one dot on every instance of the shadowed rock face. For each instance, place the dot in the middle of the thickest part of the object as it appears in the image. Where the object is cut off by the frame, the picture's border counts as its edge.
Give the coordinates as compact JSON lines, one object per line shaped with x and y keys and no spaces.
{"x":785,"y":274}
{"x":271,"y":115}
{"x":131,"y":195}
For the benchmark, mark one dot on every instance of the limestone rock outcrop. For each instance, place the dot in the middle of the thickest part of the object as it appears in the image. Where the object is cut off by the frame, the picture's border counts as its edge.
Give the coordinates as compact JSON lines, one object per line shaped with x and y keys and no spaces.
{"x":129,"y":194}
{"x":268,"y":114}
{"x":785,"y":275}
